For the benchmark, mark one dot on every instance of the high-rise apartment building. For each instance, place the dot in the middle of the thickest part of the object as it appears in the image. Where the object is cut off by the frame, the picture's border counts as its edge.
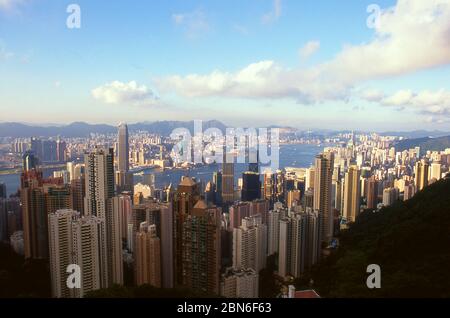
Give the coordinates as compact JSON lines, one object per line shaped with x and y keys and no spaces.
{"x":39,"y":197}
{"x":239,"y":284}
{"x":148,"y":256}
{"x":299,"y":243}
{"x":201,"y":249}
{"x":99,"y":178}
{"x":352,"y":194}
{"x":273,"y":232}
{"x":237,"y":213}
{"x":390,"y":195}
{"x":436,"y":171}
{"x":250,"y":244}
{"x":73,"y":241}
{"x":322,"y":194}
{"x":184,"y":200}
{"x":371,"y":192}
{"x":421,"y":174}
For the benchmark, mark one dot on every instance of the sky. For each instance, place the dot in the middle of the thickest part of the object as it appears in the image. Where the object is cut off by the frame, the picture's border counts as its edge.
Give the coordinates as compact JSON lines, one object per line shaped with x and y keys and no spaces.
{"x":372,"y":65}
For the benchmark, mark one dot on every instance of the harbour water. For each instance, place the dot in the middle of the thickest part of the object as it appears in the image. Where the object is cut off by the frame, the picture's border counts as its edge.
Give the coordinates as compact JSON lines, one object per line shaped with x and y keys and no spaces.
{"x":292,"y":155}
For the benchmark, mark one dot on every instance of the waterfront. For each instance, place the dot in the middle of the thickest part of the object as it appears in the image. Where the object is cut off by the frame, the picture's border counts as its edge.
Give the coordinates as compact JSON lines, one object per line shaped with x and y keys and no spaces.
{"x":291,"y":155}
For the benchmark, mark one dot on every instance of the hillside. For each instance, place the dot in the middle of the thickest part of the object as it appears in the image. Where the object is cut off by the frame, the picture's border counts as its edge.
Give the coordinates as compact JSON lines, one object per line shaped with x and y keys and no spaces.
{"x":411,"y":243}
{"x":21,"y":278}
{"x":425,"y":144}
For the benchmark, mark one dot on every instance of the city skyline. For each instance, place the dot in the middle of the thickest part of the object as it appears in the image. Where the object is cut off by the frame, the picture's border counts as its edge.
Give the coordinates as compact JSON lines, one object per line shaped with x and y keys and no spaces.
{"x":261,"y":149}
{"x":328,"y":65}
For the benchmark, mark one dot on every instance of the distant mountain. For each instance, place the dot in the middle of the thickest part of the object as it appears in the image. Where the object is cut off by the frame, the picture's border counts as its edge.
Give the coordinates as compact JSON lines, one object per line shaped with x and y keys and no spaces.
{"x":409,"y":241}
{"x":81,"y":129}
{"x":425,"y":144}
{"x":165,"y":128}
{"x":77,"y":129}
{"x":416,"y":133}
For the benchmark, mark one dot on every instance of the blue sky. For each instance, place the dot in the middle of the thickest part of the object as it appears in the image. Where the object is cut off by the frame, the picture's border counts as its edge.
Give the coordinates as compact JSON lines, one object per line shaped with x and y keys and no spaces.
{"x":235,"y":61}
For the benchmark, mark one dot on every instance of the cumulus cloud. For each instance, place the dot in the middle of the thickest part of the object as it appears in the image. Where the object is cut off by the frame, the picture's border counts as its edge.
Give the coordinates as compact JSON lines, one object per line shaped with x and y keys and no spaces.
{"x":273,"y":15}
{"x":194,"y":24}
{"x":265,"y":79}
{"x":309,"y":49}
{"x":411,"y":36}
{"x":124,"y":93}
{"x":434,"y":104}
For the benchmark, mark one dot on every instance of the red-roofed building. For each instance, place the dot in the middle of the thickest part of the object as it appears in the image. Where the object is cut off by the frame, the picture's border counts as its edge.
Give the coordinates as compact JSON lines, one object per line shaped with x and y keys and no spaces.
{"x":311,"y":293}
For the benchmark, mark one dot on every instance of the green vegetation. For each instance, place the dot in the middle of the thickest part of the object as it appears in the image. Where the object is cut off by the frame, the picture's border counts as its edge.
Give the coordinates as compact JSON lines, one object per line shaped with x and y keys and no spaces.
{"x":269,"y":287}
{"x":20,"y":278}
{"x":410,"y":241}
{"x":145,"y":291}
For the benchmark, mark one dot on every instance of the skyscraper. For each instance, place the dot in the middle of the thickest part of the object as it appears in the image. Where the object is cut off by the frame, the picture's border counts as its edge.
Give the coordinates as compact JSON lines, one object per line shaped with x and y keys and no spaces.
{"x":237,"y":213}
{"x":2,"y":190}
{"x":436,"y":171}
{"x":73,"y":240}
{"x":39,"y":197}
{"x":167,"y":246}
{"x":299,"y":243}
{"x":217,"y":180}
{"x":124,"y":179}
{"x":201,"y":253}
{"x":371,"y":192}
{"x":99,"y":170}
{"x":184,"y":200}
{"x":78,"y":192}
{"x":239,"y":284}
{"x":148,"y":256}
{"x":227,"y":181}
{"x":60,"y":239}
{"x":390,"y":195}
{"x":322,"y":194}
{"x":352,"y":194}
{"x":251,"y":186}
{"x":250,"y":244}
{"x":273,"y":232}
{"x":421,"y":174}
{"x":123,"y":149}
{"x":30,"y":161}
{"x":309,"y":178}
{"x":61,"y":148}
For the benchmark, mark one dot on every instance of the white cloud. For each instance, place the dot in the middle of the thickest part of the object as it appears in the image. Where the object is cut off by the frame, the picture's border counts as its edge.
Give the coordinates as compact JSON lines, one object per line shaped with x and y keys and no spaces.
{"x":10,"y":5}
{"x":240,"y":29}
{"x":371,"y":95}
{"x":5,"y":54}
{"x":124,"y":93}
{"x":273,"y":15}
{"x":194,"y":24}
{"x":434,"y":104}
{"x":309,"y":49}
{"x":412,"y":36}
